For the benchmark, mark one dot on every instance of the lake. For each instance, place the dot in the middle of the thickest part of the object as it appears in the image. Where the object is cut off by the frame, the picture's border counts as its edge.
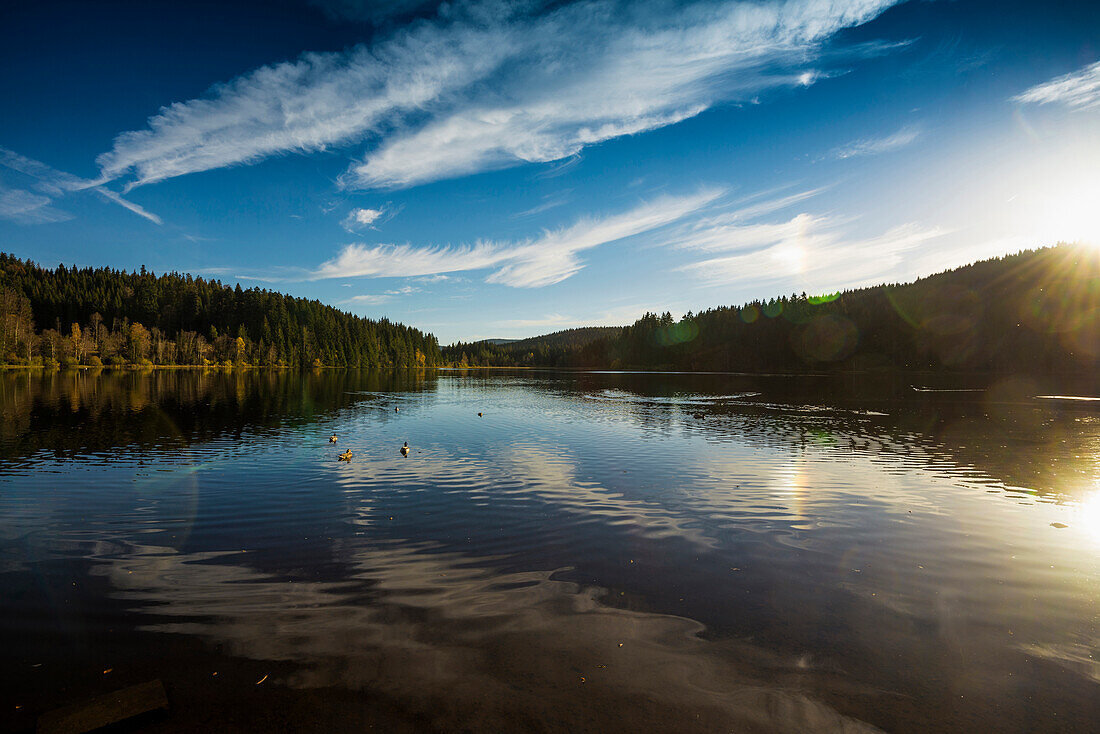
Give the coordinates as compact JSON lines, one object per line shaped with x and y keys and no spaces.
{"x":594,"y":552}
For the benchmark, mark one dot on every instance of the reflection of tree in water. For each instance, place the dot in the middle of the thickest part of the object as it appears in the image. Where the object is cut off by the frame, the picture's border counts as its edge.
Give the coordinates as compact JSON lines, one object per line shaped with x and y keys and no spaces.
{"x":98,"y":410}
{"x":1000,"y":430}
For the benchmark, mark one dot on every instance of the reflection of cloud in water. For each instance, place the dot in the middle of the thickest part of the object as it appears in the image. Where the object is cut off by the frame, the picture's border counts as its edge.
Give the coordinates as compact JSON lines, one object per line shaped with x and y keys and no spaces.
{"x":464,"y":646}
{"x":517,"y":471}
{"x":691,"y":399}
{"x":733,"y":403}
{"x":759,"y":486}
{"x":552,"y":477}
{"x":1078,"y":658}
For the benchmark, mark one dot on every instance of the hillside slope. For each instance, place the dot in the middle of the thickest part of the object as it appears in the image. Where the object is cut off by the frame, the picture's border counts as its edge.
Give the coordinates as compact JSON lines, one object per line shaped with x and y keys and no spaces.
{"x":1036,"y":311}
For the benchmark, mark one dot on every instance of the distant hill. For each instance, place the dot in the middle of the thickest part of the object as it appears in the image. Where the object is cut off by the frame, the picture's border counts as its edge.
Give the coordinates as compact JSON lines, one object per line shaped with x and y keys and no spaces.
{"x":569,"y":337}
{"x":1037,"y":311}
{"x":548,"y":350}
{"x":100,"y":315}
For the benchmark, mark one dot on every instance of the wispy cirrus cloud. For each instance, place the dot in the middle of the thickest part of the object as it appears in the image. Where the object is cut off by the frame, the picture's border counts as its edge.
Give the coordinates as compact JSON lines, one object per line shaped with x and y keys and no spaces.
{"x":492,"y":84}
{"x":375,"y":299}
{"x":367,"y":300}
{"x":617,"y":316}
{"x":728,"y":235}
{"x":26,"y":207}
{"x":551,"y":201}
{"x":519,"y":328}
{"x":814,"y":253}
{"x":904,"y":137}
{"x":730,"y":229}
{"x":126,"y":204}
{"x":1078,"y":90}
{"x":547,"y":259}
{"x":55,"y":184}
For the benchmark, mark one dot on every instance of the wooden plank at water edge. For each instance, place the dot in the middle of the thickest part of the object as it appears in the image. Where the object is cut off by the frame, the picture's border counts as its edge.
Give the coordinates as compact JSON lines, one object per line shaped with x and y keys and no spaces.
{"x":104,"y":710}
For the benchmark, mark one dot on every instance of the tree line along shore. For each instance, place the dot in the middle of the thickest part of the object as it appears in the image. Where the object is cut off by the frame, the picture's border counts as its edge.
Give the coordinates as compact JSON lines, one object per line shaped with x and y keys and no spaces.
{"x":1037,"y":311}
{"x":102,"y":317}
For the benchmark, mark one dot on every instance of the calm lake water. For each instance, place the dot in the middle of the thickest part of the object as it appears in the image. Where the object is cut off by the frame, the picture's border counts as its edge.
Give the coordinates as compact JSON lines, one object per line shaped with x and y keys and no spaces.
{"x":597,"y":552}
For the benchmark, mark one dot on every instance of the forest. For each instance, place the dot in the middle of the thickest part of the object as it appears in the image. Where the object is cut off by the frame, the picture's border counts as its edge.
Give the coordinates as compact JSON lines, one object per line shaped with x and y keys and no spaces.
{"x":550,"y":350}
{"x":98,"y":316}
{"x":1036,"y":311}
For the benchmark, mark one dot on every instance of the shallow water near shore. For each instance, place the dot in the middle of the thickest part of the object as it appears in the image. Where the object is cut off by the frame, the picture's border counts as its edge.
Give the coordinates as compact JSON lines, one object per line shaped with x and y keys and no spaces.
{"x":597,"y":551}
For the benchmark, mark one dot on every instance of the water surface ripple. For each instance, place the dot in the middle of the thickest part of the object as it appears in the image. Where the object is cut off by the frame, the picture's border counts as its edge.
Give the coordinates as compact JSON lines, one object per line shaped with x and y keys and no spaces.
{"x":596,"y":552}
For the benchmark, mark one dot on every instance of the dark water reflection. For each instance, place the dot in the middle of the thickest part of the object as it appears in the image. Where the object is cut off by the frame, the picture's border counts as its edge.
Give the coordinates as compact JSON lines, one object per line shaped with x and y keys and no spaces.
{"x":598,"y":552}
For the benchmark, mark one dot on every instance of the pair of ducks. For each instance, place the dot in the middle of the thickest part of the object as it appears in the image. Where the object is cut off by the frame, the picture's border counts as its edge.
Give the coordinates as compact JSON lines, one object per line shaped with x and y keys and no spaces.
{"x":346,"y":456}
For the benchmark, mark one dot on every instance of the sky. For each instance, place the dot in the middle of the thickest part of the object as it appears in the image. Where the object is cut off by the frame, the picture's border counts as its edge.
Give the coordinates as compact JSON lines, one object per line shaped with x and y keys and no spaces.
{"x":507,"y":168}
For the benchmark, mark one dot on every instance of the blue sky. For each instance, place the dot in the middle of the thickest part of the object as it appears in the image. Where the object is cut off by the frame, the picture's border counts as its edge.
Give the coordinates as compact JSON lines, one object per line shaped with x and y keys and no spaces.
{"x":484,"y":168}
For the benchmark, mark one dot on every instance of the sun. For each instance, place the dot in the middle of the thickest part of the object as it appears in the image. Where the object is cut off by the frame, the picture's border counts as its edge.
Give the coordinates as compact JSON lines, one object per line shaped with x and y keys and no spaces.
{"x":1060,"y":206}
{"x":1072,"y":213}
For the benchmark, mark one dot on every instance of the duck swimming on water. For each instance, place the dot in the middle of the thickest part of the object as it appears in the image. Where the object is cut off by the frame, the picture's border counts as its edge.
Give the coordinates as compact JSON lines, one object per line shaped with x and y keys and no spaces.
{"x":405,"y":449}
{"x":332,"y":438}
{"x":346,"y":456}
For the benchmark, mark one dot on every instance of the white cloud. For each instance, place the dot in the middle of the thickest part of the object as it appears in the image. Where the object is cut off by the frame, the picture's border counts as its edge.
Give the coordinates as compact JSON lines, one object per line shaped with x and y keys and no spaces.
{"x":362,"y":218}
{"x":727,"y":235}
{"x":57,"y":183}
{"x":406,"y":261}
{"x":26,"y":207}
{"x":112,"y":196}
{"x":379,"y":298}
{"x":47,"y":179}
{"x":590,"y":77}
{"x":1077,"y":90}
{"x":318,"y":101}
{"x":730,"y":230}
{"x":812,"y":253}
{"x":367,"y":300}
{"x":762,"y":203}
{"x":874,"y":146}
{"x":618,"y":316}
{"x":545,"y":260}
{"x":521,"y":328}
{"x":490,"y":84}
{"x":550,"y":201}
